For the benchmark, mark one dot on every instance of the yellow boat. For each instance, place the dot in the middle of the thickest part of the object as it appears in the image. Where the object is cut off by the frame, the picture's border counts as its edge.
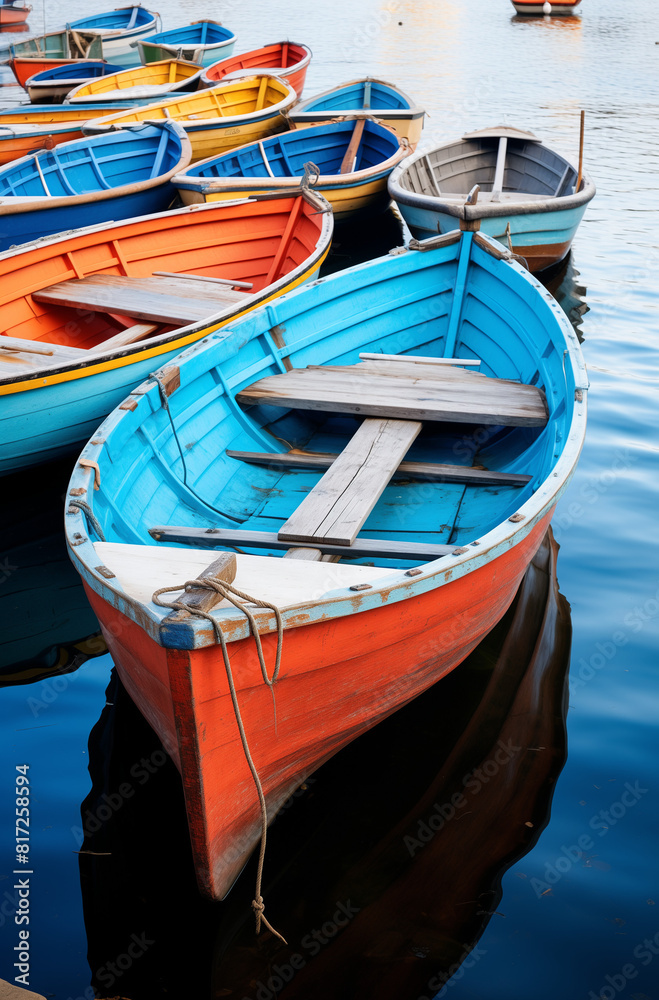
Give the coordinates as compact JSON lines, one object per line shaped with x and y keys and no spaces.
{"x":218,"y":119}
{"x":29,"y":129}
{"x":154,"y":81}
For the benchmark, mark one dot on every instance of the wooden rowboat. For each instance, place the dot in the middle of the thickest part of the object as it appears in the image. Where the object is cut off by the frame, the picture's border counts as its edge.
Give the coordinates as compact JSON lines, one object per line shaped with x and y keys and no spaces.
{"x":55,"y":83}
{"x":543,"y":7}
{"x":28,"y":129}
{"x":90,"y":181}
{"x":363,"y":97}
{"x":217,"y":119}
{"x":120,"y":31}
{"x":14,"y":13}
{"x":290,"y":60}
{"x":202,"y":42}
{"x":350,"y":162}
{"x":152,"y":82}
{"x":342,"y":376}
{"x":52,"y":49}
{"x":527,"y":192}
{"x":65,"y":364}
{"x":55,"y":114}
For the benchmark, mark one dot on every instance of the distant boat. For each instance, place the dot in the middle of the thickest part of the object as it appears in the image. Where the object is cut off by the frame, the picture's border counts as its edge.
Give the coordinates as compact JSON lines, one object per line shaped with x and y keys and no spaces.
{"x":120,"y":31}
{"x":526,"y":192}
{"x":143,"y":83}
{"x":52,"y":49}
{"x":202,"y":42}
{"x":535,"y":7}
{"x":13,"y":13}
{"x":348,"y":163}
{"x":91,"y":180}
{"x":289,"y":60}
{"x":55,"y":83}
{"x":365,"y":97}
{"x":219,"y":118}
{"x":159,"y":283}
{"x":279,"y":438}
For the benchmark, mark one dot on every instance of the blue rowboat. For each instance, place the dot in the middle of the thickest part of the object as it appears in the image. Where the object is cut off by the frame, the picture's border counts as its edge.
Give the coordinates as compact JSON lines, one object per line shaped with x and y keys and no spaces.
{"x":322,"y":153}
{"x":54,"y":84}
{"x":91,"y":180}
{"x":363,"y":97}
{"x":202,"y":42}
{"x":87,"y":315}
{"x":278,"y":437}
{"x":528,"y":195}
{"x":119,"y":31}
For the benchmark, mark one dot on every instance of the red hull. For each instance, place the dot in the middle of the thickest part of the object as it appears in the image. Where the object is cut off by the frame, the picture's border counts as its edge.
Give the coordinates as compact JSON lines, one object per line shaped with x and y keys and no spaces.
{"x":338,"y":678}
{"x":13,"y":15}
{"x":25,"y":67}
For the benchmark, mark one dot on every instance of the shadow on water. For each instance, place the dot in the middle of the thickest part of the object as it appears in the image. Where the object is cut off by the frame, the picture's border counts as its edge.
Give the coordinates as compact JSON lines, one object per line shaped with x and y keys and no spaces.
{"x":382,"y":870}
{"x":48,"y":626}
{"x":563,"y":283}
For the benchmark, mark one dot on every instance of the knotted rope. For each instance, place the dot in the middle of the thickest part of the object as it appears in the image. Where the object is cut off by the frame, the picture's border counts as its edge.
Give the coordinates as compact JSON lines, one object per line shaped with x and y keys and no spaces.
{"x":228,"y":591}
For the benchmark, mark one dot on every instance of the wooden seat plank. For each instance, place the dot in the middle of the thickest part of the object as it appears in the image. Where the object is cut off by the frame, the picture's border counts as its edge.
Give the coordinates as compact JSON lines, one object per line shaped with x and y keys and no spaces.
{"x":453,"y":395}
{"x":156,"y":299}
{"x":244,"y":538}
{"x":432,"y":471}
{"x":338,"y":505}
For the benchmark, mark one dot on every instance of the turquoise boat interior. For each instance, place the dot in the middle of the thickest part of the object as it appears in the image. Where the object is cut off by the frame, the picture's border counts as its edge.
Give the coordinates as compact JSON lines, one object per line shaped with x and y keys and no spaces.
{"x":174,"y":466}
{"x":95,"y":163}
{"x":285,"y":155}
{"x":359,"y":95}
{"x":200,"y":33}
{"x":122,"y":19}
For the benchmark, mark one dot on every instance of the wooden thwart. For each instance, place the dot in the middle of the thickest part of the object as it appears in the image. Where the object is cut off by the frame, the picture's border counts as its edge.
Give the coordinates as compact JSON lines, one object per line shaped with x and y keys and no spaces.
{"x":431,"y":471}
{"x":338,"y":505}
{"x":156,"y":299}
{"x":243,"y":538}
{"x":449,"y":394}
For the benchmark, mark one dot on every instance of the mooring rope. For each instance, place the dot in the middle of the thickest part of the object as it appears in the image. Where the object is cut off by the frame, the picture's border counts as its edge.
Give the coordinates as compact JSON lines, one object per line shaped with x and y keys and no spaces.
{"x":91,"y":517}
{"x":226,"y":590}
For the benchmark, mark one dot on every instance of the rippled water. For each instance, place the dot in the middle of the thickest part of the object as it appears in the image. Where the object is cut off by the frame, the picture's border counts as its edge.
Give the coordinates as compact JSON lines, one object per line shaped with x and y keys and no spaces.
{"x":576,"y":909}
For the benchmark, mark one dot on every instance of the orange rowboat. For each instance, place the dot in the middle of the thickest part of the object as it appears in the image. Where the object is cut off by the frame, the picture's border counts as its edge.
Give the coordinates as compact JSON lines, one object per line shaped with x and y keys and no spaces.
{"x":289,"y":60}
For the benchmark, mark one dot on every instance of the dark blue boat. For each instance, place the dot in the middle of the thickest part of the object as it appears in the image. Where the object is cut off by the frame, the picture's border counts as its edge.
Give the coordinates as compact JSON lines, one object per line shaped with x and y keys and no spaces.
{"x":55,"y":83}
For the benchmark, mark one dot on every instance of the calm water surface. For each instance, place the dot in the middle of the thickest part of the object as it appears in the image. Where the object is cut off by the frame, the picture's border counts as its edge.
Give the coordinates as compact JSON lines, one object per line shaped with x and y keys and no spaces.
{"x":578,"y":899}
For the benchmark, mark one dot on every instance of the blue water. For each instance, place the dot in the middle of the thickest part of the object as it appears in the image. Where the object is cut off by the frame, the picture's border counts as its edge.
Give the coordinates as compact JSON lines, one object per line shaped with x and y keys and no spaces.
{"x":576,"y":909}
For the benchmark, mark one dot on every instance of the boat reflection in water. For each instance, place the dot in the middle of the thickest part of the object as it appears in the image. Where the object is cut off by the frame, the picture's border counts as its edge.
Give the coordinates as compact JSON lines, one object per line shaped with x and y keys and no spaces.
{"x":571,"y":296}
{"x":382,"y":870}
{"x":48,"y":626}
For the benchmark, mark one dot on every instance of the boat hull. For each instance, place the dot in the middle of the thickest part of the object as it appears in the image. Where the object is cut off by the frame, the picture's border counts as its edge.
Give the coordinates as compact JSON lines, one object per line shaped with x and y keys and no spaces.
{"x":527,"y":7}
{"x":364,"y":667}
{"x":543,"y":239}
{"x":271,"y":58}
{"x":10,"y":14}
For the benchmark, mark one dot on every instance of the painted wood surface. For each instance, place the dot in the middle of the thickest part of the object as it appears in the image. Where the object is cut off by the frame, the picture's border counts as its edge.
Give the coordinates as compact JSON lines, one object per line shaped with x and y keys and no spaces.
{"x":140,"y":82}
{"x":202,"y":42}
{"x":289,"y":60}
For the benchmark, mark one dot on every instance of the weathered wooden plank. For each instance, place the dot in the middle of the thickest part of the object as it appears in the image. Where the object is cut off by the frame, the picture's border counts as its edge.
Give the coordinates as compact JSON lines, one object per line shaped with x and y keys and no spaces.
{"x":430,"y":471}
{"x":243,"y":538}
{"x":418,"y":360}
{"x":201,"y":599}
{"x":16,"y":344}
{"x":125,"y":337}
{"x":162,"y":300}
{"x":337,"y":506}
{"x":469,"y":398}
{"x":348,"y":161}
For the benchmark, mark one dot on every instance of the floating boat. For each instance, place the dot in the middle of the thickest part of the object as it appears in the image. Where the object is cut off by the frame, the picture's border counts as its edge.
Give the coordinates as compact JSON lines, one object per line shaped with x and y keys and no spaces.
{"x":52,"y":49}
{"x":64,"y":365}
{"x":364,"y":97}
{"x":351,"y":162}
{"x":535,"y":7}
{"x":217,"y":119}
{"x":55,"y":83}
{"x":90,"y":181}
{"x":142,"y":83}
{"x":13,"y":13}
{"x":202,"y":42}
{"x":55,"y":114}
{"x":22,"y":133}
{"x":527,"y":192}
{"x":120,"y":31}
{"x":342,"y":376}
{"x":290,"y":60}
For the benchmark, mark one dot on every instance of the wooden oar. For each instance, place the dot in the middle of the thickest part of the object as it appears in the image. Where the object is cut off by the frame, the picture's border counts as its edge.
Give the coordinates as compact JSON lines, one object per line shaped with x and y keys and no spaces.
{"x":581,"y":135}
{"x":348,"y":161}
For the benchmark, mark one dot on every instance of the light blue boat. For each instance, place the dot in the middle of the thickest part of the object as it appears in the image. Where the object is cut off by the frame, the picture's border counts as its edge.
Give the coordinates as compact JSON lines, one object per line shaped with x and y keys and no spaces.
{"x":363,"y":97}
{"x":202,"y":42}
{"x":345,"y":420}
{"x":92,"y":180}
{"x":529,"y":197}
{"x":120,"y":30}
